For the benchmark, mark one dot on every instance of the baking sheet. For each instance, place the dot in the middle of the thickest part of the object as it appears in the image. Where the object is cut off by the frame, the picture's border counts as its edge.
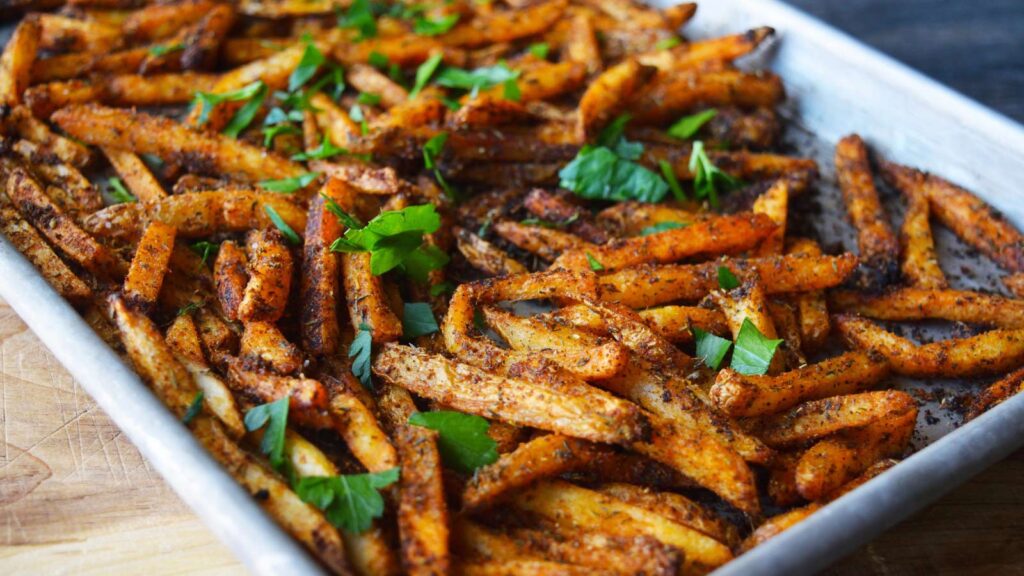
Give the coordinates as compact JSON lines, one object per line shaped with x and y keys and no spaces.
{"x":836,"y":86}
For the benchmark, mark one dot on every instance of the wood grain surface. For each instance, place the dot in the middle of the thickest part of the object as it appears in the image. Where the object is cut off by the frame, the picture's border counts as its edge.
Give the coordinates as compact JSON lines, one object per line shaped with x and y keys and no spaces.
{"x":77,"y":498}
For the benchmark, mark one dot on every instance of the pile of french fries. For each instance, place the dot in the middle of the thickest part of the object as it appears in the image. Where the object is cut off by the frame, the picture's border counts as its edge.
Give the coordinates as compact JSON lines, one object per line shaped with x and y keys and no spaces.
{"x":413,"y":275}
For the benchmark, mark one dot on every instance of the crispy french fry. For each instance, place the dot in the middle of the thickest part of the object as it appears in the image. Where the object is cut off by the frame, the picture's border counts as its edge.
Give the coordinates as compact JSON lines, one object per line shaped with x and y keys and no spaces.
{"x":559,"y":209}
{"x":547,"y":243}
{"x":631,"y":468}
{"x":304,"y":394}
{"x":66,"y":185}
{"x":381,"y":181}
{"x":630,"y":218}
{"x":646,"y":286}
{"x":136,"y":175}
{"x":968,"y":216}
{"x":148,"y":267}
{"x":773,"y":203}
{"x":37,"y":208}
{"x":543,"y":457}
{"x":741,"y":395}
{"x":812,"y":309}
{"x":670,"y":95}
{"x":998,"y":392}
{"x":486,"y":110}
{"x":527,"y":401}
{"x":608,"y":94}
{"x":922,"y":304}
{"x":545,"y":81}
{"x":505,"y":26}
{"x":157,"y":21}
{"x":264,"y":346}
{"x":422,"y":513}
{"x":920,"y":265}
{"x":674,"y":507}
{"x":581,"y":43}
{"x":820,"y":418}
{"x":270,"y":276}
{"x":320,"y":288}
{"x":16,"y":62}
{"x":485,"y":256}
{"x":65,"y":34}
{"x":356,"y":424}
{"x":782,"y":479}
{"x":701,"y":52}
{"x":676,"y":323}
{"x":30,"y":128}
{"x":231,"y":273}
{"x":988,"y":353}
{"x":369,"y":80}
{"x":568,"y":507}
{"x":200,"y":152}
{"x":367,"y":302}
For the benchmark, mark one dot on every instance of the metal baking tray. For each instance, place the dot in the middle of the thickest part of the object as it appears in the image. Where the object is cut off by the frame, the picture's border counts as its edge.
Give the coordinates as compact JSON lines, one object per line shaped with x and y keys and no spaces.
{"x":836,"y":86}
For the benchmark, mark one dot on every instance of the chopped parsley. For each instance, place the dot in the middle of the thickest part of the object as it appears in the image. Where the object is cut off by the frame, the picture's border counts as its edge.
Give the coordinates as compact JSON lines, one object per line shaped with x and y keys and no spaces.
{"x":351,"y":501}
{"x":462,"y":438}
{"x":275,"y":416}
{"x":708,"y":180}
{"x":753,"y":352}
{"x":417,"y":320}
{"x":118,"y":192}
{"x":281,"y":225}
{"x":359,"y":351}
{"x":687,"y":126}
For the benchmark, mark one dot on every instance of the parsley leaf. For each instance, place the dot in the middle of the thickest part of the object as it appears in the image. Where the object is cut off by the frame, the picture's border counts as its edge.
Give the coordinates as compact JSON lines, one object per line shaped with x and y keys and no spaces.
{"x":753,"y":353}
{"x":423,"y":74}
{"x":360,"y":17}
{"x":282,"y":225}
{"x":594,"y":264}
{"x":662,"y":227}
{"x":670,"y":176}
{"x":276,"y":413}
{"x":359,"y":352}
{"x":349,"y":502}
{"x":539,"y":49}
{"x":193,"y":409}
{"x":271,"y":132}
{"x":206,"y":100}
{"x":726,"y":279}
{"x":442,"y":288}
{"x":368,"y":98}
{"x":164,"y":49}
{"x":356,"y":113}
{"x":417,"y":320}
{"x":348,"y":220}
{"x":289,"y":185}
{"x":311,"y":60}
{"x":377,"y":60}
{"x":431,"y":151}
{"x":478,"y":79}
{"x":462,"y":440}
{"x":428,"y":27}
{"x":395,"y":238}
{"x":325,"y":150}
{"x":711,"y":349}
{"x":118,"y":192}
{"x":708,"y":179}
{"x":244,"y":115}
{"x":204,"y":249}
{"x":687,"y":126}
{"x":510,"y":90}
{"x":666,"y":43}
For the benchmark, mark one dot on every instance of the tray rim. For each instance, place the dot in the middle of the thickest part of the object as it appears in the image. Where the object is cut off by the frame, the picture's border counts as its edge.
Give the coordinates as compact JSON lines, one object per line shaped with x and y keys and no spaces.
{"x":237,"y":520}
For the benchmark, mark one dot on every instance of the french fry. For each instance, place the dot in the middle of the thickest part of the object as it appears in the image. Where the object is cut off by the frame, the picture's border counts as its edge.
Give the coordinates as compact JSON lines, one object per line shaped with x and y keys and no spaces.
{"x":505,"y":26}
{"x":922,"y":304}
{"x":782,"y":479}
{"x":988,"y":353}
{"x":270,"y":276}
{"x":305,"y":396}
{"x":629,"y":329}
{"x":136,"y":175}
{"x":543,"y":457}
{"x":578,"y":352}
{"x":37,"y":208}
{"x":422,"y":513}
{"x":231,"y":273}
{"x":784,"y":318}
{"x":631,"y":468}
{"x":320,"y":288}
{"x":669,"y":96}
{"x":27,"y":241}
{"x":920,"y":265}
{"x":968,"y":216}
{"x":630,"y":218}
{"x":30,"y":128}
{"x":568,"y":507}
{"x":16,"y":63}
{"x":819,"y":418}
{"x":157,"y":21}
{"x":581,"y":43}
{"x":773,"y":203}
{"x":148,"y":267}
{"x":546,"y":81}
{"x":608,"y":94}
{"x":485,"y":256}
{"x":356,"y":424}
{"x":202,"y":43}
{"x":812,"y":308}
{"x":367,"y":302}
{"x":724,"y":235}
{"x":997,"y":393}
{"x":64,"y":34}
{"x":633,"y":14}
{"x":646,"y":286}
{"x":701,"y":52}
{"x":674,"y":507}
{"x":75,"y":193}
{"x":742,"y":395}
{"x":557,"y":208}
{"x":199,"y":152}
{"x":369,"y":80}
{"x":527,"y":401}
{"x":486,"y":110}
{"x":519,"y":566}
{"x":547,"y":243}
{"x":380,"y":181}
{"x":264,"y":346}
{"x":676,"y":323}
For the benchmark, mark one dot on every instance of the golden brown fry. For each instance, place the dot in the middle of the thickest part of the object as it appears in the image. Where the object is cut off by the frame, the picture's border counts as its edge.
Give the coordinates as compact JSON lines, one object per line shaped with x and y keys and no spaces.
{"x":505,"y":26}
{"x":968,"y":216}
{"x":588,"y":357}
{"x":119,"y":90}
{"x":741,"y":395}
{"x":636,"y":15}
{"x":561,"y":210}
{"x":543,"y":457}
{"x":545,"y":81}
{"x":820,"y":418}
{"x":148,"y":267}
{"x":270,"y":276}
{"x":485,"y":256}
{"x":920,"y":265}
{"x":631,"y":218}
{"x":568,"y":507}
{"x":670,"y":95}
{"x":367,"y":302}
{"x":988,"y":353}
{"x":997,"y":393}
{"x":305,"y":395}
{"x":773,"y":203}
{"x":68,"y":187}
{"x":65,"y":34}
{"x":676,"y":323}
{"x":608,"y":95}
{"x":723,"y":235}
{"x":704,"y":52}
{"x":202,"y":42}
{"x":37,"y":208}
{"x":675,"y":507}
{"x":422,"y":512}
{"x":136,"y":175}
{"x":157,"y":21}
{"x":529,"y":400}
{"x":581,"y":43}
{"x":646,"y":286}
{"x":369,"y":80}
{"x":25,"y":238}
{"x":746,"y":303}
{"x":358,"y":427}
{"x":200,"y":152}
{"x":782,"y":479}
{"x":812,"y":309}
{"x":548,"y":243}
{"x":631,"y":468}
{"x":16,"y":63}
{"x":365,"y":178}
{"x":486,"y":110}
{"x":320,"y":287}
{"x":231,"y":273}
{"x":921,"y":304}
{"x":30,"y":128}
{"x":264,"y":346}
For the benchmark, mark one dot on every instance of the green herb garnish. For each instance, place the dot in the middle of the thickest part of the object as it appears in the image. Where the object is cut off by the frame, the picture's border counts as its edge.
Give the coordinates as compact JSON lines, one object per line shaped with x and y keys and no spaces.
{"x":462,"y":438}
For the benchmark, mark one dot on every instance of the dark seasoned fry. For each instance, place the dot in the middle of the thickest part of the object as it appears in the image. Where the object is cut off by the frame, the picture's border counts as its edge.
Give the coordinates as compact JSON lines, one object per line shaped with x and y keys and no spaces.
{"x":231,"y":273}
{"x":320,"y":288}
{"x":148,"y":267}
{"x":25,"y":238}
{"x":16,"y":63}
{"x":270,"y":276}
{"x":264,"y":346}
{"x":485,"y":256}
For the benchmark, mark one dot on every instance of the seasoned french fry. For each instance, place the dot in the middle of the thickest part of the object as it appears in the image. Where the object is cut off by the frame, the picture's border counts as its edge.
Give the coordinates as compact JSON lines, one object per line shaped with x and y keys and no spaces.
{"x":543,"y":457}
{"x":37,"y":208}
{"x":304,"y":395}
{"x":967,"y":215}
{"x":812,"y":309}
{"x":320,"y":287}
{"x":630,"y":218}
{"x":231,"y":272}
{"x":64,"y":34}
{"x":264,"y":346}
{"x":646,"y":286}
{"x":16,"y":63}
{"x":270,"y":276}
{"x":136,"y":175}
{"x":422,"y":513}
{"x":568,"y":507}
{"x":66,"y":185}
{"x":676,"y":323}
{"x":773,"y":203}
{"x":668,"y":96}
{"x":367,"y":303}
{"x":675,"y":507}
{"x":183,"y":338}
{"x":547,"y":243}
{"x":356,"y":424}
{"x":528,"y":401}
{"x":157,"y":21}
{"x":747,"y":302}
{"x":988,"y":353}
{"x":630,"y":468}
{"x":820,"y":418}
{"x":485,"y":256}
{"x":30,"y":128}
{"x":701,"y":52}
{"x":724,"y":235}
{"x":25,"y":238}
{"x":878,"y":245}
{"x":741,"y":395}
{"x":997,"y":393}
{"x":485,"y":110}
{"x":545,"y":81}
{"x":922,"y":304}
{"x":381,"y":181}
{"x":199,"y":152}
{"x":148,"y":267}
{"x":369,"y":80}
{"x":920,"y":265}
{"x":558,"y":208}
{"x":505,"y":26}
{"x":581,"y":43}
{"x":608,"y":94}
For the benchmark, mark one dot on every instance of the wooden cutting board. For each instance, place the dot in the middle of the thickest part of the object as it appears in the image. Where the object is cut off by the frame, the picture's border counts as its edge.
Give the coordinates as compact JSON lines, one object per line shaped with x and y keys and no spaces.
{"x":77,"y":498}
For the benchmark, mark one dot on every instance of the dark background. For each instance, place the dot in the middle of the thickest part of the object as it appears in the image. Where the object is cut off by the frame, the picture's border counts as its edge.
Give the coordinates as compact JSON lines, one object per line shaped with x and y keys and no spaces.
{"x":974,"y":46}
{"x":977,"y":48}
